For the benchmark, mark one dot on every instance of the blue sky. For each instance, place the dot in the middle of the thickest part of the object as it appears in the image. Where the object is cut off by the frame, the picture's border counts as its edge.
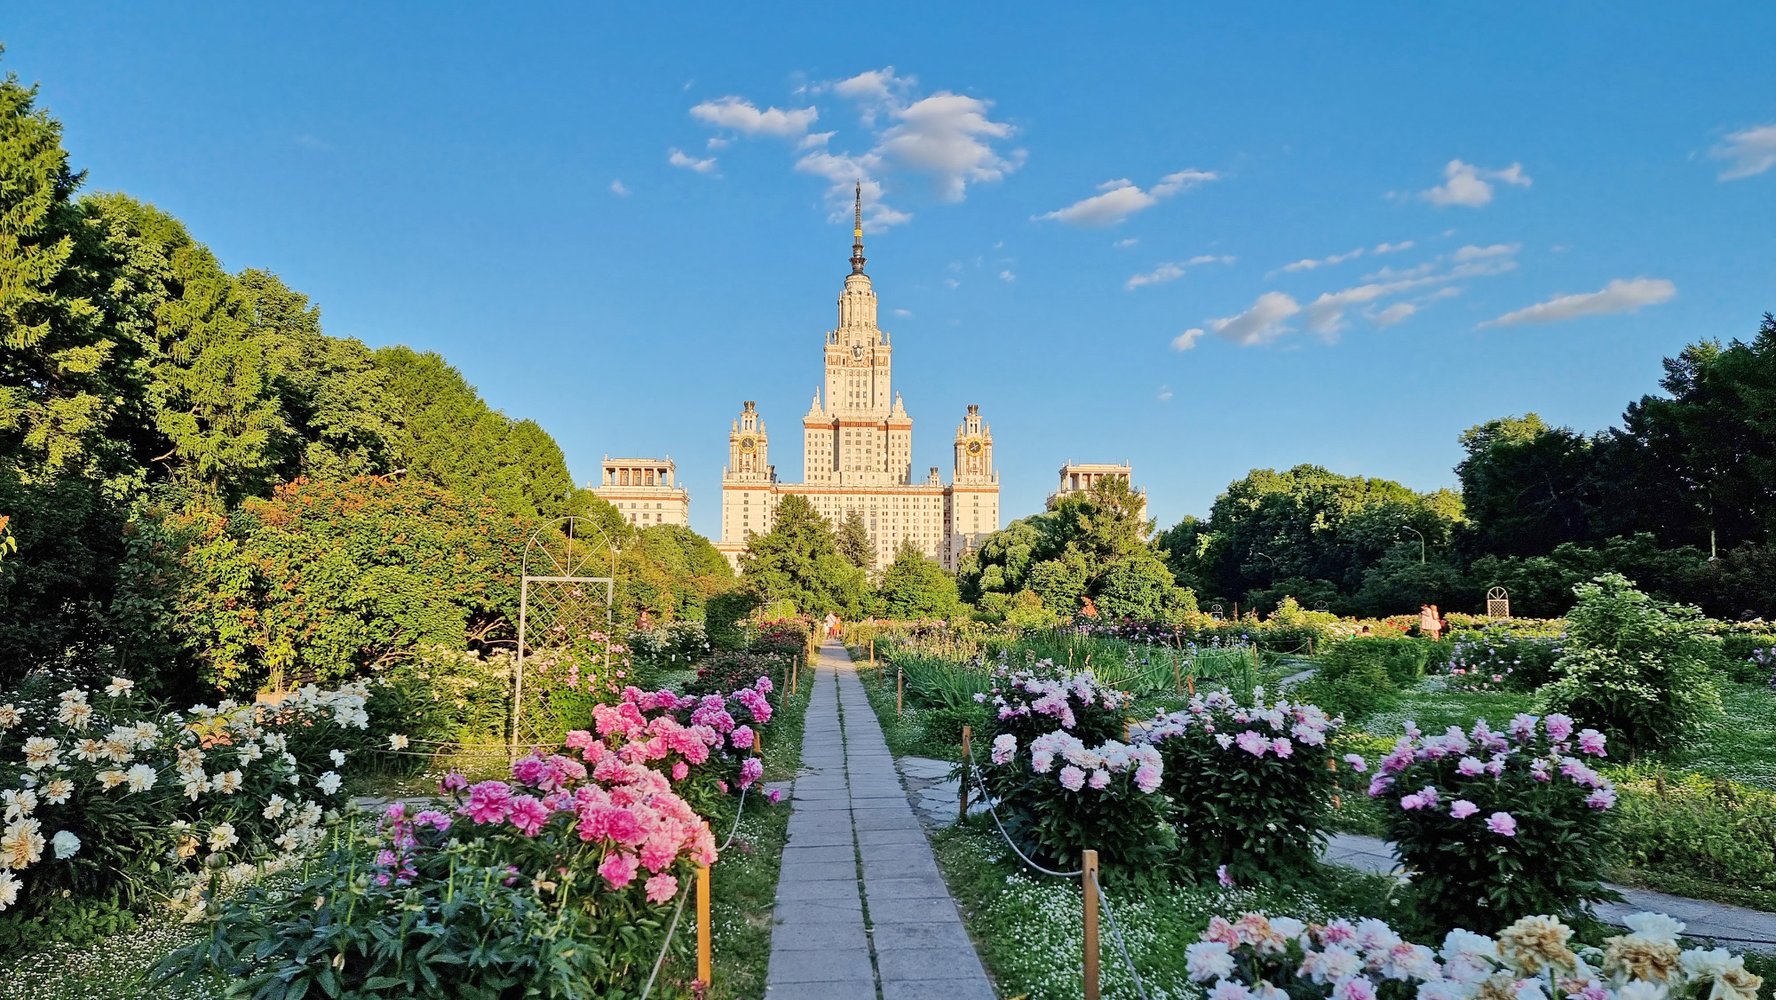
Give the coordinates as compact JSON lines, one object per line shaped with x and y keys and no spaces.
{"x":1201,"y":239}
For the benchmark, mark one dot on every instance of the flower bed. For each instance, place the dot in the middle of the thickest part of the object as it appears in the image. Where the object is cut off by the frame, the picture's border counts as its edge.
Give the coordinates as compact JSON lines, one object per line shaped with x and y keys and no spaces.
{"x":1269,"y":958}
{"x":108,"y":797}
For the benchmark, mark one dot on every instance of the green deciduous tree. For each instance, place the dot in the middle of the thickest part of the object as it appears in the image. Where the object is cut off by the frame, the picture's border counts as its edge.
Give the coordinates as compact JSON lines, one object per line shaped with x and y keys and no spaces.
{"x":853,"y":541}
{"x":914,"y":586}
{"x":798,"y":562}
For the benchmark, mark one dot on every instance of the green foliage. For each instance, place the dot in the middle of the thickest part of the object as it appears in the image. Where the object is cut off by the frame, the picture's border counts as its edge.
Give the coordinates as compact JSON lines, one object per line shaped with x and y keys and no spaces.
{"x":1362,"y":690}
{"x":724,"y":618}
{"x":68,"y":920}
{"x":670,"y":572}
{"x":1091,"y":544}
{"x":1520,"y":662}
{"x":797,"y":561}
{"x":1698,"y":829}
{"x":1633,"y":667}
{"x":915,"y":587}
{"x":326,"y":577}
{"x":442,"y":694}
{"x":853,"y":541}
{"x":1402,"y":659}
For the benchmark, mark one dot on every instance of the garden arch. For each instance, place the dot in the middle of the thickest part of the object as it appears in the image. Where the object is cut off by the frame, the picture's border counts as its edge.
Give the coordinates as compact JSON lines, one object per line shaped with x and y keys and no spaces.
{"x":567,"y":584}
{"x":1498,"y":603}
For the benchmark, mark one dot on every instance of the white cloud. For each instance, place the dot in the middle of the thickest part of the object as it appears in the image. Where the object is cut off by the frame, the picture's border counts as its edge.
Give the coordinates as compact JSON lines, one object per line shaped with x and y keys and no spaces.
{"x":743,"y":116}
{"x":1264,"y":322}
{"x":1471,"y":186}
{"x":1007,"y":276}
{"x":1750,"y":151}
{"x":1187,"y":340}
{"x":949,"y":138}
{"x":1325,"y":315}
{"x":1393,"y":314}
{"x":1167,"y":272}
{"x":1619,"y":296}
{"x":1165,"y":393}
{"x":1472,"y":252}
{"x":717,"y":142}
{"x":1173,"y":270}
{"x":953,"y":282}
{"x":904,"y":313}
{"x":1381,"y":248}
{"x":1125,"y":244}
{"x":309,"y":140}
{"x":1118,"y":199}
{"x":1310,"y":263}
{"x":677,"y":158}
{"x":619,"y":189}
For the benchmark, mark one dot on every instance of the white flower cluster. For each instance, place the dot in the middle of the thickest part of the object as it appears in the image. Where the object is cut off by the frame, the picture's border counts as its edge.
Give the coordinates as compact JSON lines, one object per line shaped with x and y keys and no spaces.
{"x":180,"y":773}
{"x":1264,"y":958}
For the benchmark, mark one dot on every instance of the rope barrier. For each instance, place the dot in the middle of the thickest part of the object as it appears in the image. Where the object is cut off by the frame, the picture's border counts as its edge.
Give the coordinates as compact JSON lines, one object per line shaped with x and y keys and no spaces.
{"x":968,"y":770}
{"x":1116,"y":933}
{"x":683,"y":894}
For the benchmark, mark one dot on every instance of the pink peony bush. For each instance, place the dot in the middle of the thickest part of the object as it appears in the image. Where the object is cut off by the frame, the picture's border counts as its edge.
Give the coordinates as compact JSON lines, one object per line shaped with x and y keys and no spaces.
{"x":1496,"y":825}
{"x":704,"y":744}
{"x":1272,"y":958}
{"x":1250,"y":785}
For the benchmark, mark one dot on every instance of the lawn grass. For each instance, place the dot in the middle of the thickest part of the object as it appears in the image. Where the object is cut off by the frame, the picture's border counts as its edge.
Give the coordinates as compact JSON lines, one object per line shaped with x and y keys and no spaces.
{"x":108,"y":969}
{"x":1739,"y":744}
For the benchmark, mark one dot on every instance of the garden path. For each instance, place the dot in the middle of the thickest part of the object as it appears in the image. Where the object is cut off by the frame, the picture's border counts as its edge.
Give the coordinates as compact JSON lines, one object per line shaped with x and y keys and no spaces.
{"x":861,"y":910}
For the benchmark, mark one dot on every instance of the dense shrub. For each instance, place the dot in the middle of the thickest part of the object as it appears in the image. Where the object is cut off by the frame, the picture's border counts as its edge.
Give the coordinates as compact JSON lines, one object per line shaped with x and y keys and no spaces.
{"x":1249,"y":785}
{"x":725,"y":671}
{"x":444,"y":696}
{"x":1402,"y":659}
{"x":940,"y":727}
{"x":671,"y":644}
{"x":724,"y":620}
{"x":783,"y":637}
{"x":1693,"y":827}
{"x":1496,"y":826}
{"x":1061,"y":797}
{"x":1748,"y":657}
{"x":1634,"y":668}
{"x":1353,"y":689}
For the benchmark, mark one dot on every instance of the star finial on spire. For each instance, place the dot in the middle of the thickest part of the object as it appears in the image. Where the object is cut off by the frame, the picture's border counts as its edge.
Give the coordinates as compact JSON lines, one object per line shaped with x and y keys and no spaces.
{"x":857,"y":258}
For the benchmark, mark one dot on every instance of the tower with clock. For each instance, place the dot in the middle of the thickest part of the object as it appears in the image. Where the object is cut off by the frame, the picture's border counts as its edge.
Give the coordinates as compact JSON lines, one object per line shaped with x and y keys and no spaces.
{"x":857,"y":449}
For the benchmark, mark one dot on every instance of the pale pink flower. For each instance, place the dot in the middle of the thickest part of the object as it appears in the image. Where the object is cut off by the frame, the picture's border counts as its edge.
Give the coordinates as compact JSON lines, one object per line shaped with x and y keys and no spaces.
{"x":1502,"y":823}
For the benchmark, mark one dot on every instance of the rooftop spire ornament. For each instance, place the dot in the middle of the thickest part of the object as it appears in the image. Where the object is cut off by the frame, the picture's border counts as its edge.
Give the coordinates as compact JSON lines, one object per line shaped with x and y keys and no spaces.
{"x":857,"y":231}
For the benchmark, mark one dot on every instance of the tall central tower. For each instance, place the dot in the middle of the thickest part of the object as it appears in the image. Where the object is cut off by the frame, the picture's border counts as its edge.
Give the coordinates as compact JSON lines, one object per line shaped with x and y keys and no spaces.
{"x":860,"y":433}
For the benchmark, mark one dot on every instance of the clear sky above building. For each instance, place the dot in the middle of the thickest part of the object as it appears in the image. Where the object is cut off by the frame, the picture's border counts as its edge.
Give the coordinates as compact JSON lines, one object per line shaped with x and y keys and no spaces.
{"x":1200,"y":239}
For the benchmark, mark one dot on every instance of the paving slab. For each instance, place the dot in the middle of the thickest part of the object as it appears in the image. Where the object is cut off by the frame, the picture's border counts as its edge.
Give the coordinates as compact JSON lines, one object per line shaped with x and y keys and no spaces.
{"x":851,"y":803}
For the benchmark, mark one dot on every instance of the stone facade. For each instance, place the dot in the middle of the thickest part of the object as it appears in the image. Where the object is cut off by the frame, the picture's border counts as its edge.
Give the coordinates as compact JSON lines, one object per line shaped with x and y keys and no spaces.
{"x":857,"y":451}
{"x":645,"y":491}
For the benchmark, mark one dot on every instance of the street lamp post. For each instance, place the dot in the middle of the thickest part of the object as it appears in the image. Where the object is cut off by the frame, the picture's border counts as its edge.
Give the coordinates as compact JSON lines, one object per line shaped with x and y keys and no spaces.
{"x":1421,"y":541}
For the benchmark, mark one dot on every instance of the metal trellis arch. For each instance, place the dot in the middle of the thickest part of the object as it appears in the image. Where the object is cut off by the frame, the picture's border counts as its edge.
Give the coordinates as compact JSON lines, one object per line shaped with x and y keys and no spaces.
{"x":559,"y":594}
{"x":1498,"y":603}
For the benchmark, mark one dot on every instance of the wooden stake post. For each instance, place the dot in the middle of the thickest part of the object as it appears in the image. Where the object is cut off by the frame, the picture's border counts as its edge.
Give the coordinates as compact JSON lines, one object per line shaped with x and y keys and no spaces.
{"x":899,"y":689}
{"x":705,"y":957}
{"x":1090,"y":880}
{"x":967,"y":733}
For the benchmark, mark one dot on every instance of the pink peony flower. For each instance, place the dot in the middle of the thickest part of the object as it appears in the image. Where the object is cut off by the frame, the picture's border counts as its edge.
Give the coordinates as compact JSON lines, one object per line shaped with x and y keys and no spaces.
{"x":619,"y":869}
{"x":453,"y":782}
{"x":1099,"y":779}
{"x":751,"y":770}
{"x":1469,"y":766}
{"x":1072,"y":778}
{"x":1222,"y":876}
{"x":680,"y":770}
{"x":488,"y":801}
{"x":1591,"y":742}
{"x":774,"y":796}
{"x":527,"y":814}
{"x":1282,"y":747}
{"x":661,"y":888}
{"x":1004,"y":747}
{"x":1560,"y":727}
{"x":741,"y":738}
{"x":1147,"y":778}
{"x":1603,"y":798}
{"x":1251,"y":742}
{"x":1462,"y":809}
{"x":1356,"y":762}
{"x":1502,"y":823}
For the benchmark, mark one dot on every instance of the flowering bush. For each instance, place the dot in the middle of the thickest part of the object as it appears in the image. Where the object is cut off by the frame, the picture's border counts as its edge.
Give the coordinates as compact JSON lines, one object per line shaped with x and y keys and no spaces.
{"x":700,"y":742}
{"x":1250,"y":786}
{"x":1030,"y":702}
{"x":1497,"y":825}
{"x":1496,"y":658}
{"x":1061,"y":797}
{"x":106,"y":795}
{"x":556,"y":883}
{"x":676,"y":642}
{"x":1636,"y":669}
{"x":1264,"y":958}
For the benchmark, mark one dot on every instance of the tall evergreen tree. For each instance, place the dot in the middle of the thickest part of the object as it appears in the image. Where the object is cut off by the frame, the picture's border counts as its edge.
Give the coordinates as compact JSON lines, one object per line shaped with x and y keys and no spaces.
{"x":797,"y":561}
{"x":853,"y":540}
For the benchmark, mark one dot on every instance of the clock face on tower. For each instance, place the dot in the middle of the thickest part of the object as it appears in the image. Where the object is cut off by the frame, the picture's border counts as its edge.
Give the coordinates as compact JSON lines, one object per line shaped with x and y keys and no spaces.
{"x":974,"y":446}
{"x":748,"y":445}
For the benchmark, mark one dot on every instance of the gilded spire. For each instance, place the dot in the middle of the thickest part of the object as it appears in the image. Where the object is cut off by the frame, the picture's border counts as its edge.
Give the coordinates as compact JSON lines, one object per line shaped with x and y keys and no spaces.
{"x":857,"y":231}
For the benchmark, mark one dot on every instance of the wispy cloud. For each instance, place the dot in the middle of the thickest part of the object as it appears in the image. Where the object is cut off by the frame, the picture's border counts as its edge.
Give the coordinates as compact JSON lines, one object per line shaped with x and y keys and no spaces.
{"x":1118,"y":199}
{"x":619,"y":189}
{"x":678,"y":158}
{"x":1007,"y":276}
{"x":1126,"y":243}
{"x":1468,"y":185}
{"x":1187,"y":340}
{"x":1314,"y":263}
{"x":1619,"y":296}
{"x":309,"y":140}
{"x":1165,"y":393}
{"x":1173,"y":270}
{"x":1748,"y":152}
{"x":1265,"y":321}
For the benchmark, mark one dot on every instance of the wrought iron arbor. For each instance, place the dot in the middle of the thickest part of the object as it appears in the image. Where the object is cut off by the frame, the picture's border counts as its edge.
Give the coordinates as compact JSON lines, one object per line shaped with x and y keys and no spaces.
{"x":1498,"y":603}
{"x":561,"y":594}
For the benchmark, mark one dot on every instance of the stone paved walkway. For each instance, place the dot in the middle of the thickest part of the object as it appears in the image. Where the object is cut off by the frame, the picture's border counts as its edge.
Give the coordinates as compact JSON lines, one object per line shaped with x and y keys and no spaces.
{"x":861,"y":910}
